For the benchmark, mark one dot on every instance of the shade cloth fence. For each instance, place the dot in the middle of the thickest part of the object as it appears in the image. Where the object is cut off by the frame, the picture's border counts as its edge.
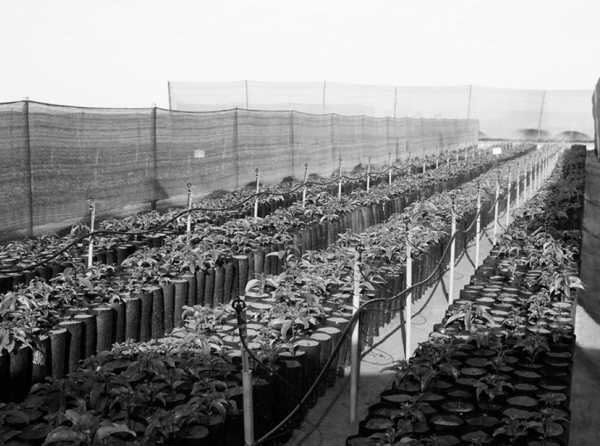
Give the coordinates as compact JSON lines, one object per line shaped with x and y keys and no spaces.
{"x":55,"y":158}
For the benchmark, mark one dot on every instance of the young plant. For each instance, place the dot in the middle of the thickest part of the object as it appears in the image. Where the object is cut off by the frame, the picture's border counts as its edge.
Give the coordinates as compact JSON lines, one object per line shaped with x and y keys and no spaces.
{"x":470,"y":315}
{"x":534,"y":345}
{"x":491,"y":386}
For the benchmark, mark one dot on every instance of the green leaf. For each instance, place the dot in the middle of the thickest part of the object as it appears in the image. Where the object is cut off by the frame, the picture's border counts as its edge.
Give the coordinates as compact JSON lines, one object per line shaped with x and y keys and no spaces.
{"x":64,"y":434}
{"x":287,"y":325}
{"x":108,"y":429}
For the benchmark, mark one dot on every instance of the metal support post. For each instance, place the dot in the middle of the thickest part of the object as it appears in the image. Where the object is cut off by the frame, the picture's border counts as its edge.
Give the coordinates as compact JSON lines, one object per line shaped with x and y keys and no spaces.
{"x":478,"y":228}
{"x":452,"y":256}
{"x":508,"y":201}
{"x":257,"y":191}
{"x":91,"y":241}
{"x":369,"y":175}
{"x":304,"y":188}
{"x":354,"y":353}
{"x":188,"y":228}
{"x":340,"y":178}
{"x":494,"y":237}
{"x":408,"y":301}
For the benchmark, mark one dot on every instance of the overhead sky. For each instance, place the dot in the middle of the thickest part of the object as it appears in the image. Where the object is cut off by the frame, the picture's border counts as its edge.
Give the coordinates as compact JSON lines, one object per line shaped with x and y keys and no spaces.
{"x":122,"y":52}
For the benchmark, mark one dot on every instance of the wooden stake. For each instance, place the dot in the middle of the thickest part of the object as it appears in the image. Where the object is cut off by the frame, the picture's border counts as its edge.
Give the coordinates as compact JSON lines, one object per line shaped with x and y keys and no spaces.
{"x":369,"y":175}
{"x":91,"y":241}
{"x":340,"y":178}
{"x":304,"y":188}
{"x":188,"y":229}
{"x":257,"y":191}
{"x":391,"y":168}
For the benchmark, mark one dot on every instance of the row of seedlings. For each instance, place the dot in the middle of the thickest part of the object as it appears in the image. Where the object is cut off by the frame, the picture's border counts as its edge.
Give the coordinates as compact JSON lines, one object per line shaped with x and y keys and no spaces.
{"x":497,"y":369}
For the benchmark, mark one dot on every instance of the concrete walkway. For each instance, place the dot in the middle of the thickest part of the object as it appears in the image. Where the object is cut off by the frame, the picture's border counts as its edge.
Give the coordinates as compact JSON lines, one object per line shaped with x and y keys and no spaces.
{"x":328,"y":424}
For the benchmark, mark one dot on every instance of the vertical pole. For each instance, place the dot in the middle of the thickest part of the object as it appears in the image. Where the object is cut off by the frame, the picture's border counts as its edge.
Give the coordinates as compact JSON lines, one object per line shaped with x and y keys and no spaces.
{"x":248,"y":402}
{"x":340,"y":178}
{"x":408,"y":300}
{"x":169,"y":91}
{"x":527,"y":182}
{"x":535,"y":175}
{"x":246,"y":92}
{"x":518,"y":194}
{"x":292,"y":143}
{"x":539,"y":129}
{"x":354,"y":357}
{"x":395,"y":100}
{"x":369,"y":175}
{"x":257,"y":191}
{"x":496,"y":212}
{"x":469,"y":102}
{"x":324,"y":96}
{"x":390,"y":168}
{"x":304,"y":188}
{"x":437,"y":161}
{"x":91,"y":242}
{"x":236,"y":147}
{"x":452,"y":256}
{"x":155,"y":156}
{"x":28,"y":163}
{"x":423,"y":168}
{"x":508,"y":201}
{"x":478,"y":227}
{"x":188,"y":229}
{"x":247,"y":392}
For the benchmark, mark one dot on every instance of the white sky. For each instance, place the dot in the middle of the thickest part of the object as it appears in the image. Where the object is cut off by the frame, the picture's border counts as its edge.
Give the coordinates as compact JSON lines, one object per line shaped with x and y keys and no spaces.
{"x":122,"y":52}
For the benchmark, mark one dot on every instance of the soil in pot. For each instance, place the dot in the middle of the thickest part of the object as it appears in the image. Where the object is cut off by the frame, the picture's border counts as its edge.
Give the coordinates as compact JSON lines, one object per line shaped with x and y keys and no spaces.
{"x":373,"y":425}
{"x":446,"y":423}
{"x":458,"y":407}
{"x":522,"y":402}
{"x":478,"y":437}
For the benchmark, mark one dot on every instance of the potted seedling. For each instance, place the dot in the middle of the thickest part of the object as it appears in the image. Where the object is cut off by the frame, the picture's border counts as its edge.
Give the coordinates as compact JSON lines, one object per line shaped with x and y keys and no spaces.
{"x":489,"y":389}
